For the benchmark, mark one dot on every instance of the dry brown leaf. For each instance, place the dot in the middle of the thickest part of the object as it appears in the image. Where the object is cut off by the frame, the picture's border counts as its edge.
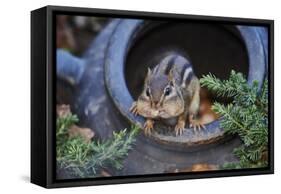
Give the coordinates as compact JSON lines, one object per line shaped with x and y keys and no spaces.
{"x":196,"y":168}
{"x":203,"y":167}
{"x":63,"y":110}
{"x":104,"y":173}
{"x":207,"y":115}
{"x":86,"y":133}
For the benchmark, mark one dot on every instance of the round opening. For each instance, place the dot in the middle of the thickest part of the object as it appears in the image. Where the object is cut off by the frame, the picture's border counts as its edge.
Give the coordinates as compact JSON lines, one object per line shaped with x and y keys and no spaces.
{"x":211,"y":48}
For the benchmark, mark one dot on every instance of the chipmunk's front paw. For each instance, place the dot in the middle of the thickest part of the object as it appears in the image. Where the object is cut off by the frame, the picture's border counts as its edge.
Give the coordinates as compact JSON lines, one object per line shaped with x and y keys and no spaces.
{"x":196,"y":124}
{"x":134,"y":109}
{"x":148,"y":126}
{"x":179,"y":128}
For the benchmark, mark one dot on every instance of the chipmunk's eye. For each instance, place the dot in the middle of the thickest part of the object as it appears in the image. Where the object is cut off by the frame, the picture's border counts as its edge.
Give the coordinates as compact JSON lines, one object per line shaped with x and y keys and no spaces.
{"x":147,"y":92}
{"x":167,"y":91}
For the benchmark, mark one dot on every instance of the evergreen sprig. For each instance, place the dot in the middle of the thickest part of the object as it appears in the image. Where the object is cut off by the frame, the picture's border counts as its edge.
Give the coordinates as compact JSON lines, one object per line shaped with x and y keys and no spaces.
{"x":246,"y":115}
{"x":82,"y":159}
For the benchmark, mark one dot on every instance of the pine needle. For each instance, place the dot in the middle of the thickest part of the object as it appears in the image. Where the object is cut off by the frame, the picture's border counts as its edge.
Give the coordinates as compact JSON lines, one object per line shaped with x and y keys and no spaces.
{"x":246,"y":116}
{"x":82,"y":159}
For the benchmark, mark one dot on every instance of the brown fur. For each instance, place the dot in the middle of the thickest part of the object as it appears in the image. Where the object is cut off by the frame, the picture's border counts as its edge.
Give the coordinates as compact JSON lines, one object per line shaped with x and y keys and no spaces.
{"x":183,"y":100}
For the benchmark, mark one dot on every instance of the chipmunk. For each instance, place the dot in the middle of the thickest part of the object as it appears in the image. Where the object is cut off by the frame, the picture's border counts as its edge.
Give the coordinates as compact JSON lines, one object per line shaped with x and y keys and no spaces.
{"x":171,"y":90}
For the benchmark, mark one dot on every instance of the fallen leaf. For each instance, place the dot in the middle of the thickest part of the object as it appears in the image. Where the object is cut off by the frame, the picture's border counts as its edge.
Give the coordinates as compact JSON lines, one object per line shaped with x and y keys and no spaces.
{"x":86,"y":133}
{"x":63,"y":110}
{"x":203,"y":167}
{"x":196,"y":168}
{"x":104,"y":173}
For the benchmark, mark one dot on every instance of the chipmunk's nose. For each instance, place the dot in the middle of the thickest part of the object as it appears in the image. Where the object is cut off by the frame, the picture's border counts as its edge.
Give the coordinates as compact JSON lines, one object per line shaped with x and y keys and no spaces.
{"x":157,"y":104}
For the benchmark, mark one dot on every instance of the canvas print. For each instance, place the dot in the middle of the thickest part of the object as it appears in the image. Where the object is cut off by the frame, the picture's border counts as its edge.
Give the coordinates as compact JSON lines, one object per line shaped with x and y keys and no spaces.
{"x":147,"y":96}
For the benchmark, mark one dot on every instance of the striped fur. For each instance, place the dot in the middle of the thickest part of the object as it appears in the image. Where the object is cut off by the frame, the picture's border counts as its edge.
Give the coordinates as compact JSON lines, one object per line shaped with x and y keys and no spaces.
{"x":181,"y":67}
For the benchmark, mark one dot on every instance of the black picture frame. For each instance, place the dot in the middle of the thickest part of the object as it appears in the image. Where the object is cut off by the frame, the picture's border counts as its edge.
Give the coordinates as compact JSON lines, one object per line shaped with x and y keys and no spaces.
{"x":43,"y":113}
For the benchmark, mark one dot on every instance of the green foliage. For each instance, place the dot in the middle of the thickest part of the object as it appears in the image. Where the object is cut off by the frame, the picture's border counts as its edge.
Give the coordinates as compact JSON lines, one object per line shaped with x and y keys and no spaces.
{"x":85,"y":159}
{"x":246,"y":115}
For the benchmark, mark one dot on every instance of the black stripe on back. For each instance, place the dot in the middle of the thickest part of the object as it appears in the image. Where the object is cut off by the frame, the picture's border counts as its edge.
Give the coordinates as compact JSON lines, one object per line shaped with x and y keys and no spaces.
{"x":189,"y":78}
{"x":170,"y":65}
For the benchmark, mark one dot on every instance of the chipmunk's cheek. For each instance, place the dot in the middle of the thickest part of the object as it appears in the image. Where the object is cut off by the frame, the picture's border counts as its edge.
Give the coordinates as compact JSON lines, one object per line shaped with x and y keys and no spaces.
{"x":180,"y":109}
{"x":146,"y":111}
{"x":154,"y":113}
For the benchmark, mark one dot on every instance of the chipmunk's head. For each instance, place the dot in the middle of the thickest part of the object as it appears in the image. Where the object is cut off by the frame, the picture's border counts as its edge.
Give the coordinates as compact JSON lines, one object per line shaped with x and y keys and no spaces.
{"x":161,"y":97}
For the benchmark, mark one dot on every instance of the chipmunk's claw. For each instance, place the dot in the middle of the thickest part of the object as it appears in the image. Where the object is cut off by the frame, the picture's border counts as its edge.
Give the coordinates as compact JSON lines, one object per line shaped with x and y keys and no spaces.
{"x":179,"y":128}
{"x":197,"y":125}
{"x":148,"y":126}
{"x":134,"y":109}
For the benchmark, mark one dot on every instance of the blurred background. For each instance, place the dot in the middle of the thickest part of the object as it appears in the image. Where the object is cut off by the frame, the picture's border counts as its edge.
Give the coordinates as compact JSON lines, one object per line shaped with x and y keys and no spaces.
{"x":75,"y":33}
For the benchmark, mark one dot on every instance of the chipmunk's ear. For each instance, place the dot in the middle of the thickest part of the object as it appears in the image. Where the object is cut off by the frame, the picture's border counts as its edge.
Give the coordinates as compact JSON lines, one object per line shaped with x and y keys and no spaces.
{"x":148,"y":75}
{"x":171,"y":77}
